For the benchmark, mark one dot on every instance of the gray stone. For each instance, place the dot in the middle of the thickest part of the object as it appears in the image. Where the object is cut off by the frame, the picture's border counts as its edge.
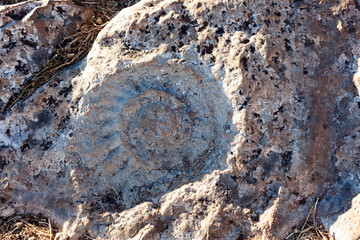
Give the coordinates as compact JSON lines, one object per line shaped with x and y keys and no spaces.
{"x":192,"y":120}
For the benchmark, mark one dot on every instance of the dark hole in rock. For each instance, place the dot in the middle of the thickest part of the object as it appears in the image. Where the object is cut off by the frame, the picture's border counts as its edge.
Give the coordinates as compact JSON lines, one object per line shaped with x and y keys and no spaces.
{"x":183,"y":29}
{"x":286,"y":160}
{"x":16,"y":15}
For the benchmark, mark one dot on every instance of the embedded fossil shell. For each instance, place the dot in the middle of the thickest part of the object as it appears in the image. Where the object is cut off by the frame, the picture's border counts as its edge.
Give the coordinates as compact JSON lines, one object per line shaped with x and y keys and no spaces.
{"x":157,"y":125}
{"x":147,"y":125}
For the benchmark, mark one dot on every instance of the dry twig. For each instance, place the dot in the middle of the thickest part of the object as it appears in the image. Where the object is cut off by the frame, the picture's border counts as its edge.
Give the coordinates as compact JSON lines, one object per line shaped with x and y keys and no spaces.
{"x":310,"y":230}
{"x":26,"y":226}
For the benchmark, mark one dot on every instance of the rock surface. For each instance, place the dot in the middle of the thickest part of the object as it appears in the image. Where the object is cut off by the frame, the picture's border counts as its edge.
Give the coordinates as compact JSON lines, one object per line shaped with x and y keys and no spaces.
{"x":29,"y":33}
{"x":187,"y":120}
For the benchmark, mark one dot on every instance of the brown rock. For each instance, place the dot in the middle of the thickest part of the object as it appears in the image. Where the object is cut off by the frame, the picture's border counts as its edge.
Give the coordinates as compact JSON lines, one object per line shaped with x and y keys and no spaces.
{"x":193,"y":120}
{"x":30,"y":31}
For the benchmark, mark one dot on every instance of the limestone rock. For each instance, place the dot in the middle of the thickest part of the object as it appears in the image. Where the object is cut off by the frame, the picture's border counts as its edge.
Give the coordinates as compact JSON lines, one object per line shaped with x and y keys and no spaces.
{"x":192,"y":120}
{"x":29,"y":33}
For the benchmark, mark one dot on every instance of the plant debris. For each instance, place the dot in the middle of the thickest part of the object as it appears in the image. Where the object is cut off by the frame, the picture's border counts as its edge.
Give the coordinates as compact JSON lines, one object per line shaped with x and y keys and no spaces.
{"x":28,"y":227}
{"x":311,"y":230}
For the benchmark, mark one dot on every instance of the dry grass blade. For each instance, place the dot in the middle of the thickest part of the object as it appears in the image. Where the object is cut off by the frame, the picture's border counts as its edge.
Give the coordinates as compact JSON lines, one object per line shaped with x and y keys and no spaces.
{"x":25,"y":227}
{"x":310,"y":230}
{"x":50,"y":229}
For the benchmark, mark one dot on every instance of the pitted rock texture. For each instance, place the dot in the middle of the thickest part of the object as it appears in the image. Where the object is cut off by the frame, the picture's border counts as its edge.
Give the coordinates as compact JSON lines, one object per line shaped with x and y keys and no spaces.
{"x":30,"y":31}
{"x":148,"y":128}
{"x":196,"y":120}
{"x":150,"y":123}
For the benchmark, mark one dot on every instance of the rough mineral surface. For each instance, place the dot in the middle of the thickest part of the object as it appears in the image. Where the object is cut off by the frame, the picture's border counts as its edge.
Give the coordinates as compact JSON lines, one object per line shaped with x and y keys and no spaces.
{"x":29,"y":32}
{"x":187,"y":120}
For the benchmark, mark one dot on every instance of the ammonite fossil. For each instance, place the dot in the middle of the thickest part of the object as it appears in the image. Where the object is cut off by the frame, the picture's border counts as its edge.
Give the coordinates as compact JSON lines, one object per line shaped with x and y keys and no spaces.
{"x":157,"y":126}
{"x":150,"y":128}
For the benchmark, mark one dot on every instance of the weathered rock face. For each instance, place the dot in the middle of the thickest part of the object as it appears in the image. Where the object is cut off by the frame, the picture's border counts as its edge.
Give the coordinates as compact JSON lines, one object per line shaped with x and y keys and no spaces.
{"x":149,"y":128}
{"x":29,"y":33}
{"x":188,"y":120}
